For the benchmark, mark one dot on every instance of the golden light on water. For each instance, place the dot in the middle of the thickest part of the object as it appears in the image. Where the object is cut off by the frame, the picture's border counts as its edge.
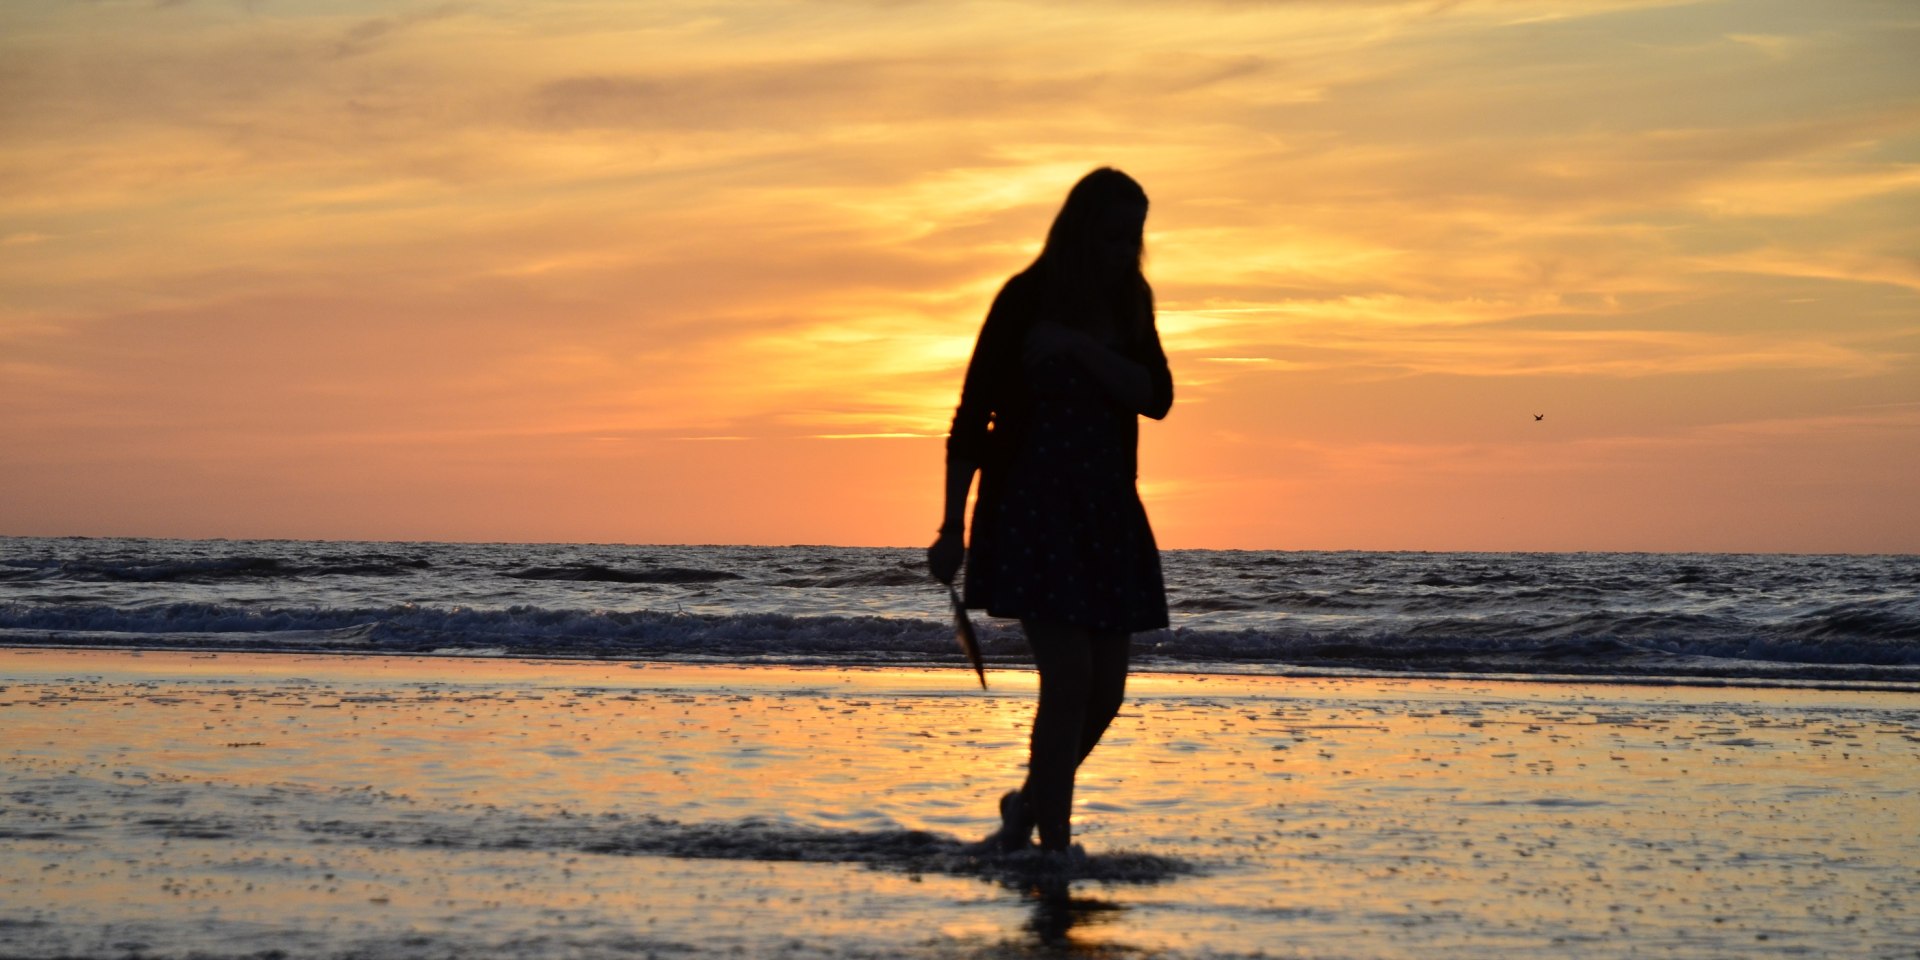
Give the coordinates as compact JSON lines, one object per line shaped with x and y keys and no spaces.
{"x":481,"y":271}
{"x":328,"y":800}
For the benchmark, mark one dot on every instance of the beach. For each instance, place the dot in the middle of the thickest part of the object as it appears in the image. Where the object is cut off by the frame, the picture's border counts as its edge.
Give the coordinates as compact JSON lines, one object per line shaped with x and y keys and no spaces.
{"x":598,"y":480}
{"x":173,"y":804}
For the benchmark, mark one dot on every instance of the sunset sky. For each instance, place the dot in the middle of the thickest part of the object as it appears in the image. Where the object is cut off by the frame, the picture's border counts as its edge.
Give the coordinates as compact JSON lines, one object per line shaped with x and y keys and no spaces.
{"x":709,"y":272}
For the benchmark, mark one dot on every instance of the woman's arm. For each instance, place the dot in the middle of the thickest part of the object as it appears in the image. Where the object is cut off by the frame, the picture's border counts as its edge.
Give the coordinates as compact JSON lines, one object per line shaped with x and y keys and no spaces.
{"x":949,"y":549}
{"x":1143,"y":388}
{"x":983,"y":400}
{"x":959,"y":483}
{"x":991,"y":375}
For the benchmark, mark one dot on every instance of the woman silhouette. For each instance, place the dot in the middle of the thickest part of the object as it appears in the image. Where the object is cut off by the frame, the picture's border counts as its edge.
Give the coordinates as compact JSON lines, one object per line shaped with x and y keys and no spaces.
{"x":1067,"y":360}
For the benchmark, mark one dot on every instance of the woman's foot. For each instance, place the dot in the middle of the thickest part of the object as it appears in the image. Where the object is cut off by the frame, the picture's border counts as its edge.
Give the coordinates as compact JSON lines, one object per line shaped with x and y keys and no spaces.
{"x":1016,"y":826}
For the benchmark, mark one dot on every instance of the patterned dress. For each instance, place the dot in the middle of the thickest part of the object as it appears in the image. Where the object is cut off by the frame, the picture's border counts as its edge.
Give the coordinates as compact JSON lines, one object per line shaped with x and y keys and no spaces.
{"x":1058,"y":532}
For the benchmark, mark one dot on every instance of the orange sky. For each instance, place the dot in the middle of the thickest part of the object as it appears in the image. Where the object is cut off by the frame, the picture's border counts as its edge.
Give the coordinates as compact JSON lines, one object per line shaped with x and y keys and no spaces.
{"x":708,"y":272}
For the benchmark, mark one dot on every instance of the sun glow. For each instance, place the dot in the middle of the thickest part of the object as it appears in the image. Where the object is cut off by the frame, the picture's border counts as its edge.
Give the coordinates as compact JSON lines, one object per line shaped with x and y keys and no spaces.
{"x":480,"y":271}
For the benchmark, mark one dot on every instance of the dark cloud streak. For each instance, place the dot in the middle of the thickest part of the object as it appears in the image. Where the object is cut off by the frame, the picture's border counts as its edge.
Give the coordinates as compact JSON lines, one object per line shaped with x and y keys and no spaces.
{"x":780,"y":95}
{"x":364,"y":36}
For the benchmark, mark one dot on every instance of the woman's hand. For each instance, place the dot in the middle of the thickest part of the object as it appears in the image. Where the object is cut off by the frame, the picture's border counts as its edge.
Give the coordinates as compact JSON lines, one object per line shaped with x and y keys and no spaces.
{"x":1048,"y":339}
{"x":943,"y":558}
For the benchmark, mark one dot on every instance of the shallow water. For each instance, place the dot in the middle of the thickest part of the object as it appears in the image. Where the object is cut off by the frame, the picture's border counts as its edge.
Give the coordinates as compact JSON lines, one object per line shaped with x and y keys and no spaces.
{"x":167,"y":804}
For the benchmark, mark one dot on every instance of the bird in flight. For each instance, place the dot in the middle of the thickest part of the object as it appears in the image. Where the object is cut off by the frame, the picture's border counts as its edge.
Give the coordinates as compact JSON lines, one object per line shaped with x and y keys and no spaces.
{"x":1539,"y":416}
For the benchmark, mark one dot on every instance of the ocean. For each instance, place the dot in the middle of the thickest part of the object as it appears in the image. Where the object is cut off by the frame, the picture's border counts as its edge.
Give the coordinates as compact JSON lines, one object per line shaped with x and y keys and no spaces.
{"x":1695,"y":618}
{"x":412,"y":751}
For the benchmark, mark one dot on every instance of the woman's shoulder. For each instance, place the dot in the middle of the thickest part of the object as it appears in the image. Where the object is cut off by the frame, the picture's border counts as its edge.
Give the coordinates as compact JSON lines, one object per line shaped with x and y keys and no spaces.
{"x":1016,"y":303}
{"x":1021,"y":288}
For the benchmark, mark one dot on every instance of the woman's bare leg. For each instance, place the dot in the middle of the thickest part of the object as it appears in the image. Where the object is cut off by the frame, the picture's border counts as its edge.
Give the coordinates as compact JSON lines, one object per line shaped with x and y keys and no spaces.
{"x":1111,"y":653}
{"x":1083,"y":678}
{"x":1064,"y":655}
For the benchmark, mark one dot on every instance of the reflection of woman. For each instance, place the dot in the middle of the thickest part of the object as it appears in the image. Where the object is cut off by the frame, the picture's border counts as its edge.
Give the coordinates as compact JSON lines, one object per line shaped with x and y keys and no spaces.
{"x":1067,"y":360}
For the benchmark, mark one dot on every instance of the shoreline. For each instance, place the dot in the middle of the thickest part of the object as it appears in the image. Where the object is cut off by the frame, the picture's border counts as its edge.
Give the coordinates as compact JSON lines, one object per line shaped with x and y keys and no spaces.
{"x":1142,"y":666}
{"x":623,"y":545}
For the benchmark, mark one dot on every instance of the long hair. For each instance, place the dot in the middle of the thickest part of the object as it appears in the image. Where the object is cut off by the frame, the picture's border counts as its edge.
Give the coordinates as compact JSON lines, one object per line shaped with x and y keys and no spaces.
{"x":1075,"y":289}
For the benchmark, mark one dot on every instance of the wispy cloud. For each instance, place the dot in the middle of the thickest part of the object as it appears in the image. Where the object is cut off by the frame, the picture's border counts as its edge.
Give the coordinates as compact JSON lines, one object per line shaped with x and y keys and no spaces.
{"x":518,"y":229}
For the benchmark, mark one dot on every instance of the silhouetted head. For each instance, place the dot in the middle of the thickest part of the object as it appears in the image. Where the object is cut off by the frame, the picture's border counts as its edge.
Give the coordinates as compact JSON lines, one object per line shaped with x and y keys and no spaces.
{"x":1101,"y":224}
{"x":1091,"y":262}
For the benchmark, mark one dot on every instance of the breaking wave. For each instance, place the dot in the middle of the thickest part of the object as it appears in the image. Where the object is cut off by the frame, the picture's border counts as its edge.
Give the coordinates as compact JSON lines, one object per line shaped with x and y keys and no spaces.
{"x":593,"y":573}
{"x":1693,"y":615}
{"x":1863,"y":640}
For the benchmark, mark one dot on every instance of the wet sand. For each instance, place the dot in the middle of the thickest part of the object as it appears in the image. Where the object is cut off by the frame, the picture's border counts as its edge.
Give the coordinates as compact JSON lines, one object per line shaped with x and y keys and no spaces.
{"x":174,"y":804}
